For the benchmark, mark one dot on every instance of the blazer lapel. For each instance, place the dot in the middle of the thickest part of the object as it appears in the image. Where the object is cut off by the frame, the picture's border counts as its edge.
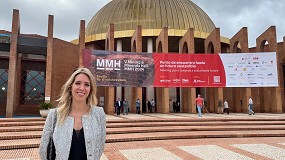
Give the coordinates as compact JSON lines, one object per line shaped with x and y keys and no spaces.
{"x":63,"y":137}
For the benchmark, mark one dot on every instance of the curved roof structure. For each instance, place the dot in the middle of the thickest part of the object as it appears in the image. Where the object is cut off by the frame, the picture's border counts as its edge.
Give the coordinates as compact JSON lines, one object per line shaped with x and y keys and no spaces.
{"x":150,"y":14}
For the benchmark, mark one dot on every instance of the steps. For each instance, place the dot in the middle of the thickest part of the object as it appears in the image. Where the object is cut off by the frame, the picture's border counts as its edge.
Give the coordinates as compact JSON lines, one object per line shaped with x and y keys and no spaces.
{"x":192,"y":135}
{"x":19,"y":144}
{"x":21,"y":133}
{"x":193,"y":128}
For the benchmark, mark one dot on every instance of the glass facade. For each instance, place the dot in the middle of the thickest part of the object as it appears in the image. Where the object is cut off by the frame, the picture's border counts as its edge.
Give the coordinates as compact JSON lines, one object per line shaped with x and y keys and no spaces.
{"x":32,"y":83}
{"x":4,"y":65}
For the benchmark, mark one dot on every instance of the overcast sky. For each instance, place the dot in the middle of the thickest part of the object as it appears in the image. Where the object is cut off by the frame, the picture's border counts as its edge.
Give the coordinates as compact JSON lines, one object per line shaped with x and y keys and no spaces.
{"x":229,"y":15}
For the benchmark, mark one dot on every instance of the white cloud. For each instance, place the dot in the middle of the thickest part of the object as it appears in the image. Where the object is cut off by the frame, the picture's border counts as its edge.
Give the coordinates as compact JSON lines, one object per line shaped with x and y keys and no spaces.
{"x":229,"y":15}
{"x":256,"y":15}
{"x":34,"y":15}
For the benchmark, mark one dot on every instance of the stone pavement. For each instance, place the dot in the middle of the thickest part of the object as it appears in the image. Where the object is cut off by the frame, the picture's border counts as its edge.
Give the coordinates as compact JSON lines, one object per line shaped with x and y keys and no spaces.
{"x":174,"y":147}
{"x":208,"y":149}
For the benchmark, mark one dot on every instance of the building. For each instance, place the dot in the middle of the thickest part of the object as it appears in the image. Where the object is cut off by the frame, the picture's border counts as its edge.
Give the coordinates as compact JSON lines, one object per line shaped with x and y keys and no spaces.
{"x":176,"y":26}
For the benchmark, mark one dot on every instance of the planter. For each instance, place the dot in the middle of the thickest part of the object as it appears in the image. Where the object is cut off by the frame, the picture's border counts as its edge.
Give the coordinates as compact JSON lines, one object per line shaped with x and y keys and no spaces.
{"x":44,"y":112}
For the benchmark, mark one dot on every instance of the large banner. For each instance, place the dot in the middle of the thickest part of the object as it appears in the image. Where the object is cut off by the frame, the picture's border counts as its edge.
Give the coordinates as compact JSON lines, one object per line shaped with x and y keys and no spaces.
{"x":250,"y":69}
{"x":182,"y":70}
{"x":120,"y":68}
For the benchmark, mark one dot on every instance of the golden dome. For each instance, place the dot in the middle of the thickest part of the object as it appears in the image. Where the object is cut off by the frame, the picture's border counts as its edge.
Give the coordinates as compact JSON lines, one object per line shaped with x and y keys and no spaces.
{"x":150,"y":14}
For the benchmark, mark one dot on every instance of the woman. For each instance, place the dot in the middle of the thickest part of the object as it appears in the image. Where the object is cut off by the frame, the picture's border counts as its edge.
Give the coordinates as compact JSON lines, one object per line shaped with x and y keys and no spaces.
{"x":80,"y":130}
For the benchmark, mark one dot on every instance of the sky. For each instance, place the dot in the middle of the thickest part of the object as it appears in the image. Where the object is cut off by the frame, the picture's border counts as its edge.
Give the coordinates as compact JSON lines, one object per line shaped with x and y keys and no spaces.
{"x":228,"y":15}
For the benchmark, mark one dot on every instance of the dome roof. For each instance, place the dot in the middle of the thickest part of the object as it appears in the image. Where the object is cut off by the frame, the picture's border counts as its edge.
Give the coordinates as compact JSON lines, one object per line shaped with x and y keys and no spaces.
{"x":150,"y":14}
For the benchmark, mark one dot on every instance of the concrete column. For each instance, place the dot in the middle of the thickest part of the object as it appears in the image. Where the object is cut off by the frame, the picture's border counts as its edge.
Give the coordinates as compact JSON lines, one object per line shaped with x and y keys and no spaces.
{"x":276,"y":102}
{"x":272,"y":98}
{"x":281,"y":70}
{"x":245,"y":100}
{"x":109,"y":91}
{"x":210,"y":97}
{"x":49,"y":59}
{"x":242,"y":37}
{"x":137,"y":41}
{"x":137,"y":93}
{"x":188,"y":95}
{"x":150,"y":90}
{"x":12,"y":73}
{"x":162,"y":93}
{"x":128,"y":96}
{"x":81,"y":42}
{"x":214,"y":38}
{"x":109,"y":101}
{"x":119,"y":46}
{"x":149,"y":45}
{"x":234,"y":98}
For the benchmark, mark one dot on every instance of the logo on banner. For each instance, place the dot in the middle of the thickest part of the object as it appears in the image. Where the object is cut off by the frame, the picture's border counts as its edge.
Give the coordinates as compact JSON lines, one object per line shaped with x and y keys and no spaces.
{"x":108,"y":64}
{"x":217,"y":79}
{"x":245,"y":58}
{"x":185,"y":80}
{"x":198,"y":81}
{"x":165,"y":81}
{"x":176,"y":80}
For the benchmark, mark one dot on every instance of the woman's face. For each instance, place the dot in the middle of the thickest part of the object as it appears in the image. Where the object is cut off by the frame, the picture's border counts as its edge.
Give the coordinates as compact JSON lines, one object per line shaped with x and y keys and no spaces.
{"x":80,"y":88}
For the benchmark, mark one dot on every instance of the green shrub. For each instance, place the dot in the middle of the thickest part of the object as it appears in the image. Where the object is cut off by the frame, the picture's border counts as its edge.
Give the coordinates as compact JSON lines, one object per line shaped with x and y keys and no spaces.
{"x":45,"y":105}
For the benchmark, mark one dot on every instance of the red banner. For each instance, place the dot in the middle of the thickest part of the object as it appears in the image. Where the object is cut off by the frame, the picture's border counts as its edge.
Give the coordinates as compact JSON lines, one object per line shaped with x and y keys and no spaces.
{"x":184,"y":70}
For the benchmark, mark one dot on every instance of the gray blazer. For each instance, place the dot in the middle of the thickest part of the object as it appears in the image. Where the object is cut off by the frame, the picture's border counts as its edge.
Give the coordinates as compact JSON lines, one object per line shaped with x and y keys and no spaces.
{"x":94,"y":126}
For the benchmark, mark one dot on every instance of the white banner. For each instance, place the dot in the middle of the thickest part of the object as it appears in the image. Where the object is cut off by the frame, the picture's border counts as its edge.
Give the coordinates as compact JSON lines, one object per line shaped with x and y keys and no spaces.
{"x":250,"y":69}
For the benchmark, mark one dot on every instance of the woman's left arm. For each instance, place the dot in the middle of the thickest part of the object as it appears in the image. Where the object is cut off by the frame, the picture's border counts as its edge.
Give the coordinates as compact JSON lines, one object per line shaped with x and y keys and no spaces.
{"x":103,"y":132}
{"x":47,"y":132}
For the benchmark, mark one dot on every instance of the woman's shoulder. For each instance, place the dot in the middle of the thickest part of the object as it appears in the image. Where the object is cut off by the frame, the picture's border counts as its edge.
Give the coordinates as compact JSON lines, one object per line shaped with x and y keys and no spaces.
{"x":98,"y":110}
{"x":52,"y":111}
{"x":51,"y":114}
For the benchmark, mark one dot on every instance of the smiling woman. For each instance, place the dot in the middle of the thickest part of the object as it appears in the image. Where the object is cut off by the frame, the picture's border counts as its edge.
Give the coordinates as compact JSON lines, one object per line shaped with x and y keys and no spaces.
{"x":80,"y":89}
{"x":80,"y":126}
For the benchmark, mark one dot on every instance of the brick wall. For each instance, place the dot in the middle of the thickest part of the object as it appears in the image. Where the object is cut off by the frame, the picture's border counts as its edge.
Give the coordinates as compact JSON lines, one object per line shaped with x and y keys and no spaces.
{"x":65,"y":60}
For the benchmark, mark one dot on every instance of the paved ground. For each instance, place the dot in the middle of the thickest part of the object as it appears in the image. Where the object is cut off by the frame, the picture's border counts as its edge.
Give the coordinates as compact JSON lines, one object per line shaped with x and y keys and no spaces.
{"x":194,"y":149}
{"x":209,"y":149}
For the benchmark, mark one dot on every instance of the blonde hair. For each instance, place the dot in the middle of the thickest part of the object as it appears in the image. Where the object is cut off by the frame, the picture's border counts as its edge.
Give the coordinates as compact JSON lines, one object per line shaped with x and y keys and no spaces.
{"x":65,"y":99}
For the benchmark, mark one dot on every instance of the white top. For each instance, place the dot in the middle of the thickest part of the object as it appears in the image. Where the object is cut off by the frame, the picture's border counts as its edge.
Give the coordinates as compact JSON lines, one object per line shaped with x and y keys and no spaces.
{"x":152,"y":103}
{"x":226,"y":105}
{"x":250,"y":101}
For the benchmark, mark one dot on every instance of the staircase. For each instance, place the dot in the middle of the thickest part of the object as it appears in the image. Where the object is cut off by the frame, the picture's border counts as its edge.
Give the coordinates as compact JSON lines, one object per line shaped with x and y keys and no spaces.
{"x":23,"y":133}
{"x":165,"y":129}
